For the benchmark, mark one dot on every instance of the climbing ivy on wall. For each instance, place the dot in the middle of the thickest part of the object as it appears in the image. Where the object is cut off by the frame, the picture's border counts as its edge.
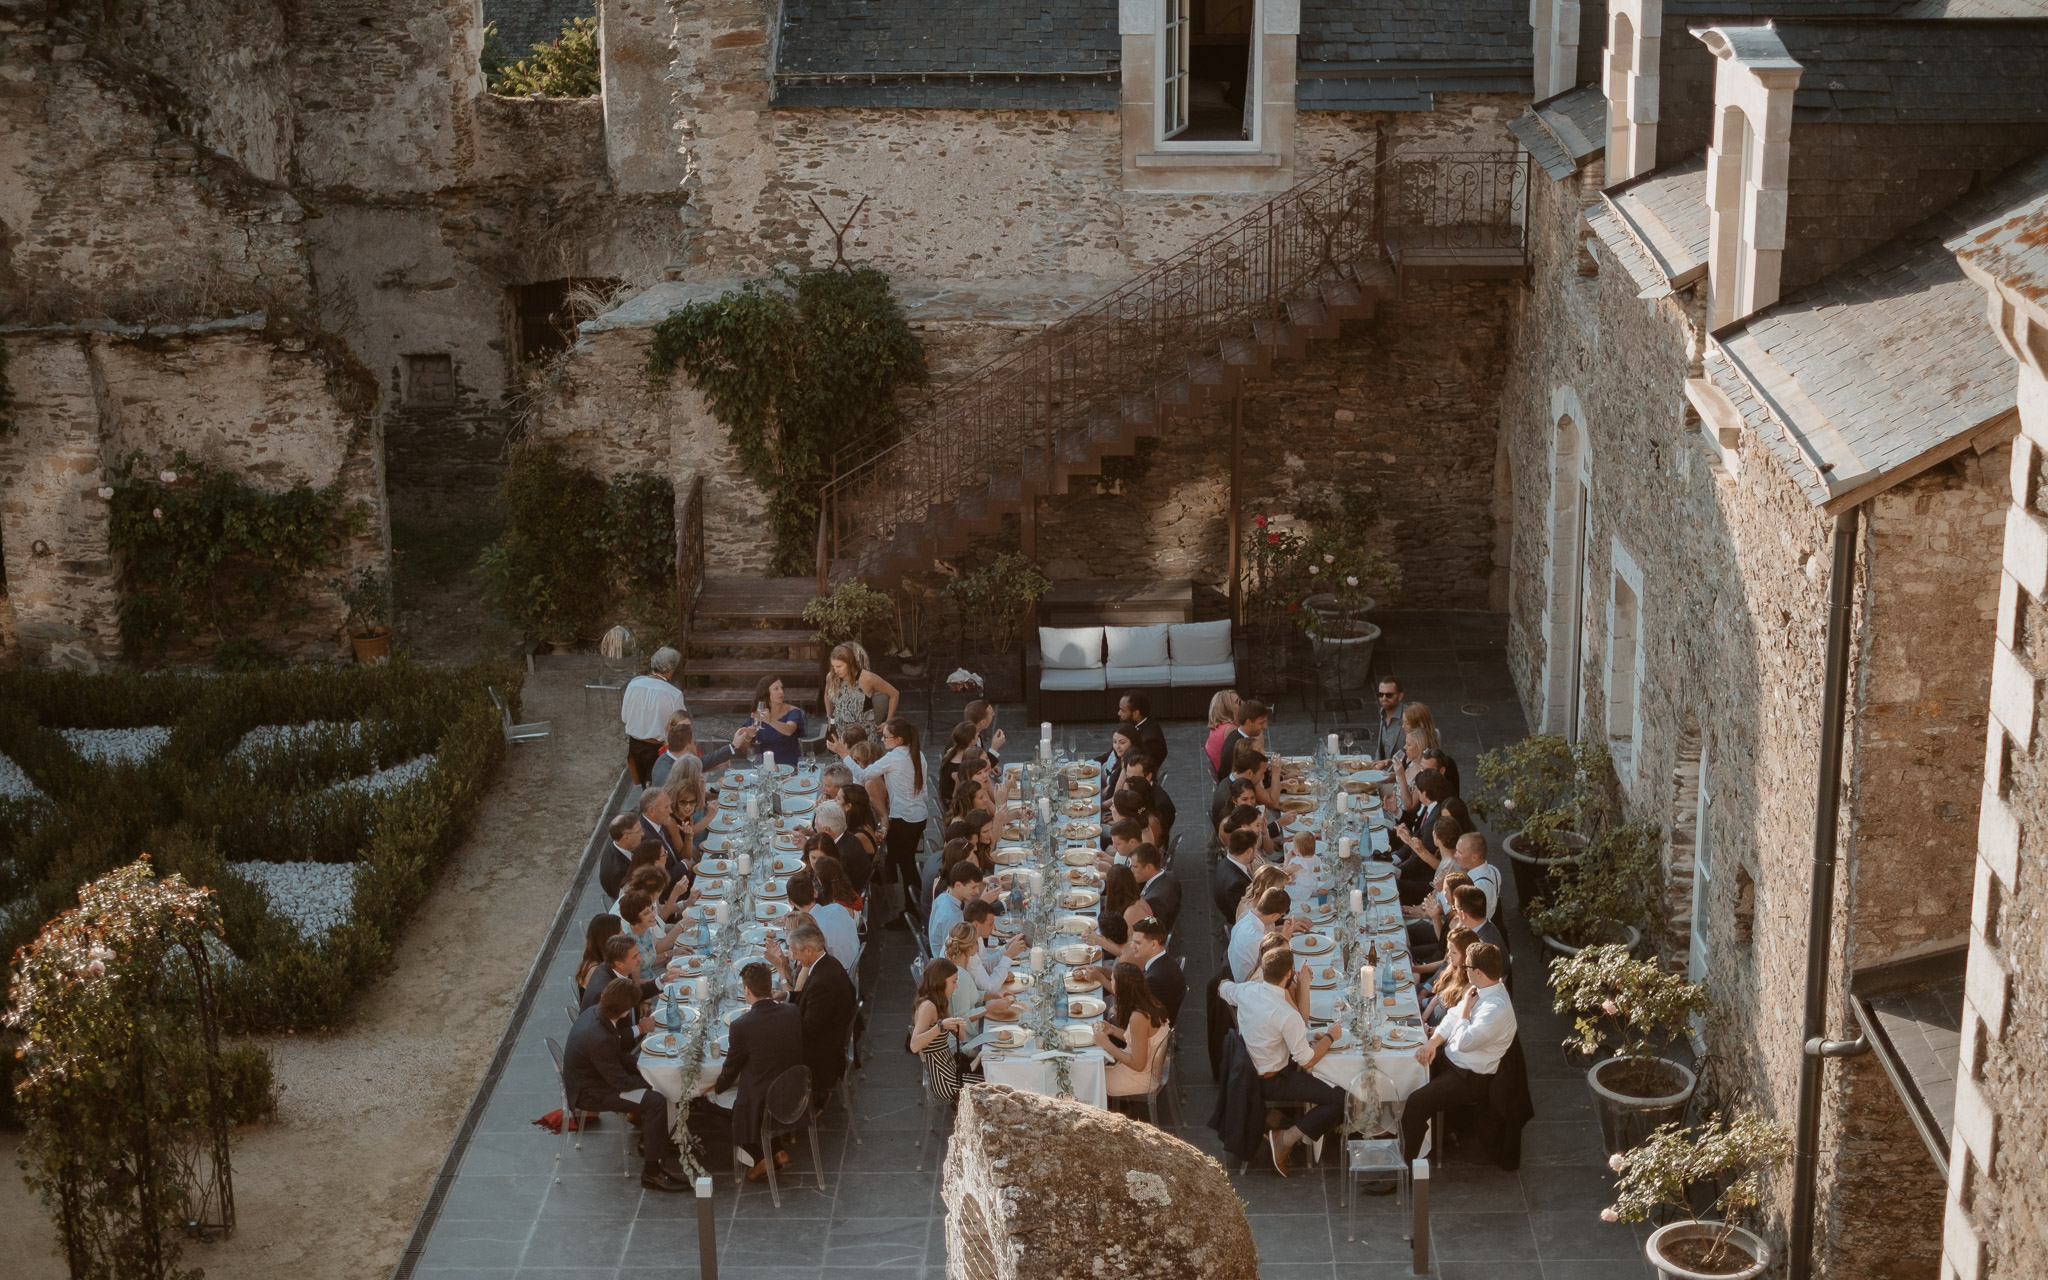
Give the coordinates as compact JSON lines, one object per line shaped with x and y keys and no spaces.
{"x":797,"y":368}
{"x":204,"y":554}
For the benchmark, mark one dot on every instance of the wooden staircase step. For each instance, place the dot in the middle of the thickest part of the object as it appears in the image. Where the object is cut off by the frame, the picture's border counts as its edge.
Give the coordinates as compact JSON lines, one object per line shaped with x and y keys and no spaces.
{"x":750,"y":598}
{"x":805,"y":668}
{"x":741,"y":697}
{"x":778,"y":638}
{"x":1241,"y":353}
{"x":1342,"y":295}
{"x":1307,"y":313}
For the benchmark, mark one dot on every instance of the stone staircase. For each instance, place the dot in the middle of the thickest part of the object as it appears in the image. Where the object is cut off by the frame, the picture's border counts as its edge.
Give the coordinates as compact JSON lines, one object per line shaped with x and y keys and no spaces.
{"x":753,"y":627}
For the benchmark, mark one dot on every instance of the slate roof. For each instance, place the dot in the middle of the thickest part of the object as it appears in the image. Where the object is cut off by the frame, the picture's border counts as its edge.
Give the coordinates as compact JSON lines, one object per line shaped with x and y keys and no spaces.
{"x":1663,"y":222}
{"x":1395,"y":55}
{"x":1918,"y":72}
{"x":1033,"y":54}
{"x":2012,"y":249}
{"x":1884,"y":365}
{"x":1563,"y":132}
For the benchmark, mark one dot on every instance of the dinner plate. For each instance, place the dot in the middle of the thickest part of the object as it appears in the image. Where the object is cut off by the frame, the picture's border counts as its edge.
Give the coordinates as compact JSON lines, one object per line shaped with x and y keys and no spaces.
{"x":727,"y":823}
{"x":1082,"y":857}
{"x":1075,"y":926}
{"x":733,"y":1014}
{"x":1016,"y":982}
{"x":1371,"y":777}
{"x":773,"y":889}
{"x":1299,"y":762}
{"x":1080,"y":830}
{"x":1009,"y":1015}
{"x":1076,"y":984}
{"x":789,"y":822}
{"x":1085,"y":1007}
{"x":1296,"y":787}
{"x":1081,"y":875}
{"x":1299,"y":822}
{"x":757,"y":935}
{"x":1007,"y":876}
{"x":1011,"y":1038}
{"x":787,"y":864}
{"x":1376,"y":870}
{"x":770,"y":910}
{"x":1074,"y":899}
{"x":1012,"y":856}
{"x":1397,"y":1036}
{"x":710,"y":887}
{"x":1382,"y":890}
{"x":712,"y":843}
{"x":1087,"y":769}
{"x":1082,"y":787}
{"x":785,"y":841}
{"x":1077,"y":953}
{"x":1297,"y":804}
{"x":1008,"y":925}
{"x":689,"y":964}
{"x":1324,"y":975}
{"x":683,"y":1015}
{"x":698,"y":911}
{"x":714,"y":867}
{"x":804,"y":785}
{"x":1012,"y":831}
{"x":1079,"y":808}
{"x":663,"y":1044}
{"x":679,"y":989}
{"x":1312,"y":944}
{"x":1078,"y":1035}
{"x":799,"y":803}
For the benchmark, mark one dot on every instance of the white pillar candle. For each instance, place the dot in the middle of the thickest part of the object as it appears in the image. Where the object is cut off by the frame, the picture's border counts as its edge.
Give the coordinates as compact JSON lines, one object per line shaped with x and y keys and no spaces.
{"x":1365,"y":984}
{"x":1357,"y":900}
{"x":1045,"y":753}
{"x":718,"y":912}
{"x":1045,"y":808}
{"x":1037,"y":882}
{"x":1333,"y":744}
{"x":746,"y":864}
{"x":1344,"y":845}
{"x":1343,"y":802}
{"x":753,"y":806}
{"x":1045,"y":732}
{"x":1038,"y":959}
{"x":768,"y":757}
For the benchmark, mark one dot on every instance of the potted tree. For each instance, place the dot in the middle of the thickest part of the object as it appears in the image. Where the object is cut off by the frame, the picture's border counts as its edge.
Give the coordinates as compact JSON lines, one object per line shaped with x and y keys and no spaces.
{"x":1556,"y":792}
{"x":1637,"y":1010}
{"x":847,"y":613}
{"x":1665,"y":1172}
{"x":1603,"y":893}
{"x":367,"y":594}
{"x":993,"y":602}
{"x":1342,"y":639}
{"x":1269,"y":596}
{"x":909,"y":651}
{"x":1348,"y":519}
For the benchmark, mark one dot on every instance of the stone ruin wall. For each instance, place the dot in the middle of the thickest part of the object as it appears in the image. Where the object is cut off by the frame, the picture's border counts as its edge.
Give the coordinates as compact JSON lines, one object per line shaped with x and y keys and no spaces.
{"x":1735,"y":567}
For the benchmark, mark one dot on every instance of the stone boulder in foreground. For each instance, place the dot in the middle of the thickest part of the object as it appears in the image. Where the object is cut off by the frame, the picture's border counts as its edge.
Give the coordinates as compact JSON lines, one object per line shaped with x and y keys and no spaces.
{"x":1039,"y":1188}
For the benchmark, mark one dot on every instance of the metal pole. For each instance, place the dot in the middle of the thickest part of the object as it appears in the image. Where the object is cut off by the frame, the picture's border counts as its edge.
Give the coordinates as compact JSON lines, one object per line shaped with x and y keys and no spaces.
{"x":1419,"y":1193}
{"x":1821,"y":895}
{"x":1236,"y":504}
{"x":707,"y":1232}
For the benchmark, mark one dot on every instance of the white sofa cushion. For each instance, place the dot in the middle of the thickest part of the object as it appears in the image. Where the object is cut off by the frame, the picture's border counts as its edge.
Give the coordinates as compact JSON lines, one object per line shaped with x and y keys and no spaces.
{"x":1217,"y":673}
{"x":1137,"y":646}
{"x":1199,"y":644}
{"x":1070,"y":679}
{"x":1070,"y":649}
{"x":1155,"y":677}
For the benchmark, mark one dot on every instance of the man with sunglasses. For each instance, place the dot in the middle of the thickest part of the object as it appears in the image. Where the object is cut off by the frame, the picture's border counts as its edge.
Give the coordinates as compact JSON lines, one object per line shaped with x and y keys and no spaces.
{"x":1388,"y":742}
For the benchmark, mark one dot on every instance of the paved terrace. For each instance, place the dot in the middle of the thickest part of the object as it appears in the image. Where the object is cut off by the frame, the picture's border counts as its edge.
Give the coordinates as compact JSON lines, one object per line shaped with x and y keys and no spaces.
{"x":502,"y":1213}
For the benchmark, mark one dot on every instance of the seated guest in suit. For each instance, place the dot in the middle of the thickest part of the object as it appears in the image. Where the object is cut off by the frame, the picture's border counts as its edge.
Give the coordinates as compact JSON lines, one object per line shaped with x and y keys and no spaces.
{"x":1131,"y":1033}
{"x":621,"y":960}
{"x":657,"y":823}
{"x":617,"y":859}
{"x":1233,"y":874}
{"x":1276,"y":1039}
{"x":1135,"y":710}
{"x":1160,"y":887}
{"x":1465,"y":1050}
{"x":1471,"y":908}
{"x":600,"y":1074}
{"x":1141,"y":769}
{"x":1163,"y":976}
{"x":767,"y":1040}
{"x":602,"y":928}
{"x":823,"y":993}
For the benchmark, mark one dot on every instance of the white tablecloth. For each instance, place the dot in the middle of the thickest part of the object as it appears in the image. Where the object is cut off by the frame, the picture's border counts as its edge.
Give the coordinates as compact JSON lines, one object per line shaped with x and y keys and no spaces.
{"x":666,"y":1075}
{"x":1399,"y":1073}
{"x":1021,"y":1071}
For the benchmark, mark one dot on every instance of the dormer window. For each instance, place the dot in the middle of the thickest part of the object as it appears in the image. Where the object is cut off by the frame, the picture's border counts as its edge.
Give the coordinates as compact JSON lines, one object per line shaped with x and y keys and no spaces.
{"x":1746,"y":168}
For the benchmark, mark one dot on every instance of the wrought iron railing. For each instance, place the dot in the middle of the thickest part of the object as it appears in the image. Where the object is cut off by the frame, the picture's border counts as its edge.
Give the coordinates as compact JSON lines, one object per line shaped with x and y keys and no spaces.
{"x":1466,"y":200}
{"x":1014,"y":410}
{"x":689,"y":558}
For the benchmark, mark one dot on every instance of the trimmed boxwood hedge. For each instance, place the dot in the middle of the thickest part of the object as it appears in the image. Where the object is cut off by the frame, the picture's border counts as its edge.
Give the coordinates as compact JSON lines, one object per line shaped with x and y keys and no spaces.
{"x":196,"y":806}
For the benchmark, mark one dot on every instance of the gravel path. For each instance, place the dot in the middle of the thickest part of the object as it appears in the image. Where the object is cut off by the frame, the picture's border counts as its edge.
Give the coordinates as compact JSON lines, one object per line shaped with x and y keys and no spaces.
{"x":314,"y":896}
{"x":118,"y":746}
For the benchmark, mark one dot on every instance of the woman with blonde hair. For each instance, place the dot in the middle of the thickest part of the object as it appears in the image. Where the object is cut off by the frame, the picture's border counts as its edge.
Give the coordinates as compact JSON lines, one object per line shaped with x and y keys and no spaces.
{"x":977,"y":994}
{"x":1416,"y":715}
{"x":1222,"y":719}
{"x":1451,"y":984}
{"x":851,"y":690}
{"x":1266,"y":875}
{"x":689,"y":804}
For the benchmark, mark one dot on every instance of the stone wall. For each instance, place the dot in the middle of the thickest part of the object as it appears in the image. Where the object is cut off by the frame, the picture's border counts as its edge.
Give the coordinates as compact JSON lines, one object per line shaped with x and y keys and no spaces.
{"x":1731,"y":562}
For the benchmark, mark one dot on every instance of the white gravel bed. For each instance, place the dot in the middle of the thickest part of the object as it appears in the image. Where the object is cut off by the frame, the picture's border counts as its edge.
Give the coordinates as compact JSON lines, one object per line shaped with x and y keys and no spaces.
{"x":314,"y":896}
{"x":265,"y":736}
{"x":118,"y":746}
{"x":14,"y":784}
{"x":387,"y":779}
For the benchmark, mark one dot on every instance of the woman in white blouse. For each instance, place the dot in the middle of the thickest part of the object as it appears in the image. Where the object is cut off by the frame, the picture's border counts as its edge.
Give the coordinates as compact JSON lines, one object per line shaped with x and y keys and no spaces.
{"x":901,"y":769}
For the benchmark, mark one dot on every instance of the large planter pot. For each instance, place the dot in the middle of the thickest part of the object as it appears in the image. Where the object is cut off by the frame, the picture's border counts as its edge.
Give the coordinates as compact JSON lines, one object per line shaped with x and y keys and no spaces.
{"x":1345,"y":662}
{"x":1626,"y":1116}
{"x":1678,"y":1237}
{"x":374,"y":647}
{"x":1325,"y":607}
{"x":1626,"y":935}
{"x":1536,"y":877}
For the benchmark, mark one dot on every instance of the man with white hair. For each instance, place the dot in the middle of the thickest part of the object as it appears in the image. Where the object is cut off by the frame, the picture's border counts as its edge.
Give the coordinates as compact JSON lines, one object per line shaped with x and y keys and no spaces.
{"x":645,"y":710}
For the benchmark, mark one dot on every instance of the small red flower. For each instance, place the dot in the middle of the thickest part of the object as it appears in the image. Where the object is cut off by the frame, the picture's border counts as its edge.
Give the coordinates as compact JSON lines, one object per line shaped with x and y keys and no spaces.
{"x":1273,"y":538}
{"x":1294,"y":606}
{"x":1259,"y":521}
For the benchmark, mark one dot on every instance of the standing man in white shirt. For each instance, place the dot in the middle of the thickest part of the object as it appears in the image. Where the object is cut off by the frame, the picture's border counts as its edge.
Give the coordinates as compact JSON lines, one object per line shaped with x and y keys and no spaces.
{"x":645,"y":709}
{"x":1282,"y":1052}
{"x":1463,"y":1054}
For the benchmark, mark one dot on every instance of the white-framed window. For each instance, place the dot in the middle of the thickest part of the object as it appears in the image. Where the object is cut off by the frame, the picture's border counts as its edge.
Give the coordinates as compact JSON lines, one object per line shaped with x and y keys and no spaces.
{"x":1624,"y":660}
{"x":1702,"y":869}
{"x":1208,"y":61}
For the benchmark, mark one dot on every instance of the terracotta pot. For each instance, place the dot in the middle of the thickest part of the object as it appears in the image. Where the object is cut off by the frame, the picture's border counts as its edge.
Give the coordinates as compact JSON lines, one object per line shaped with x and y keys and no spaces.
{"x":374,"y":647}
{"x":1739,"y":1242}
{"x":1627,"y":1119}
{"x":1536,"y":877}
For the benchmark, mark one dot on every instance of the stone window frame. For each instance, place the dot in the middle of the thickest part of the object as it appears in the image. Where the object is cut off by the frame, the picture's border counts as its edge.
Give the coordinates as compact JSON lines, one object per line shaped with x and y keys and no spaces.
{"x":1622,"y":683}
{"x":415,"y":364}
{"x":1748,"y":165}
{"x":1564,"y":570}
{"x":1266,"y":163}
{"x":1631,"y":79}
{"x":1556,"y":23}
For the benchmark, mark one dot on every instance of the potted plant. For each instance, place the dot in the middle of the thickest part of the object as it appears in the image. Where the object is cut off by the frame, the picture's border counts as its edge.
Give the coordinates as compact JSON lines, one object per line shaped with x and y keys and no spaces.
{"x":1348,"y":519}
{"x":1662,"y":1174}
{"x":909,"y":652}
{"x":1269,"y":598}
{"x":846,"y":613}
{"x":1603,"y":893}
{"x":1342,"y":639}
{"x":1556,"y":792}
{"x":993,"y":601}
{"x":1637,"y":1010}
{"x":367,"y":594}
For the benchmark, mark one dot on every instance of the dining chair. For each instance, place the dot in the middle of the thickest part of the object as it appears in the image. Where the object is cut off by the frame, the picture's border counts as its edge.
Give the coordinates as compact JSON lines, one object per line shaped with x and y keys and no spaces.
{"x":573,"y":1118}
{"x":787,"y":1110}
{"x":929,"y":1102}
{"x":1371,"y":1160}
{"x":1160,"y":1072}
{"x":517,"y":733}
{"x":848,"y":1087}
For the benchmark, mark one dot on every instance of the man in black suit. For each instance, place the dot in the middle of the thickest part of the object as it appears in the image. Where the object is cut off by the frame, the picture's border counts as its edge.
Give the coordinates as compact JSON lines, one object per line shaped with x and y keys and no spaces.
{"x":1135,"y":710}
{"x":1137,"y":765}
{"x":1147,"y":950}
{"x":621,"y":960}
{"x":655,"y":809}
{"x":616,"y":861}
{"x":1234,"y":874}
{"x":823,"y":994}
{"x":599,"y":1074}
{"x":1158,"y":886}
{"x":767,"y":1040}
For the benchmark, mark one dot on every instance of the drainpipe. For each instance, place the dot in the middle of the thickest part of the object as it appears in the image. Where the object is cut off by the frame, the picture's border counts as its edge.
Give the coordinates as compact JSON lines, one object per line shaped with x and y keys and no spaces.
{"x":1816,"y":1048}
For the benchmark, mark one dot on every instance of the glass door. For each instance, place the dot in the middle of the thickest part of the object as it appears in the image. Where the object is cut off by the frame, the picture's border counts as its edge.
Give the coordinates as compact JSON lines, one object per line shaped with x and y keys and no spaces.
{"x":1176,"y":35}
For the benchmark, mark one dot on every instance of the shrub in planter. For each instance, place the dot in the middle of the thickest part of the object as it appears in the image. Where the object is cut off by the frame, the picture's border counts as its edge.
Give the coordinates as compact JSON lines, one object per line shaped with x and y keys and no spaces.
{"x":1603,"y":893}
{"x":1636,"y":1011}
{"x":848,"y":613}
{"x":1663,"y":1175}
{"x":993,"y":601}
{"x":1559,"y":794}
